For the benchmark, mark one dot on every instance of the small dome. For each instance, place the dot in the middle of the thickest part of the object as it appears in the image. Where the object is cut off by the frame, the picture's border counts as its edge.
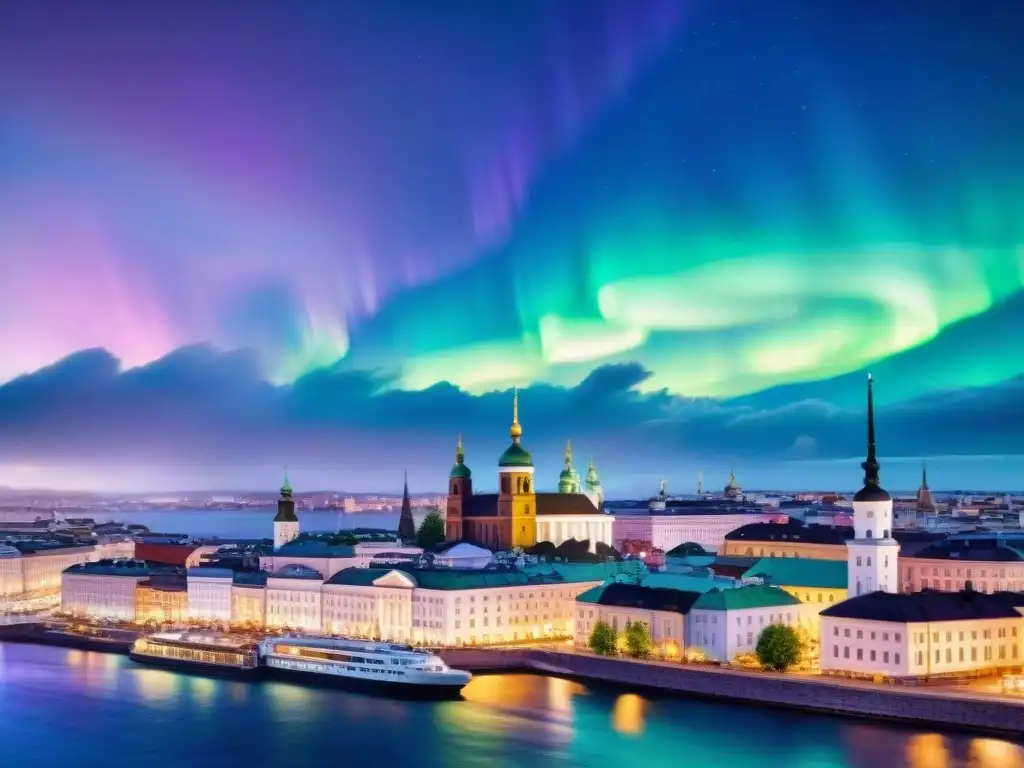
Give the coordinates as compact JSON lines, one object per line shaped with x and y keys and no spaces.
{"x":460,"y":470}
{"x":872,"y":493}
{"x":566,"y":474}
{"x":515,"y":456}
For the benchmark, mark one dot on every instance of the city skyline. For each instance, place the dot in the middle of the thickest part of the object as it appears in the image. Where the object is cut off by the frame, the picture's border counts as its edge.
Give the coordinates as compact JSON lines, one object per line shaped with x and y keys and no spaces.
{"x":686,"y":232}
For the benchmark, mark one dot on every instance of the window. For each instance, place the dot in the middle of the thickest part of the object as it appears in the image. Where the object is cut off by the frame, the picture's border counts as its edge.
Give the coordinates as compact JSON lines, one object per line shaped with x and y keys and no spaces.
{"x":846,"y":651}
{"x":885,"y":657}
{"x":896,"y":658}
{"x":872,"y":655}
{"x":860,"y":654}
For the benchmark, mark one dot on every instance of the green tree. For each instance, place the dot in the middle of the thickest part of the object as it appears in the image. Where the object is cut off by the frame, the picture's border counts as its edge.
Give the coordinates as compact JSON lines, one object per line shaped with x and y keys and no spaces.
{"x":638,"y":640}
{"x":431,"y":530}
{"x":778,"y":647}
{"x":602,"y":639}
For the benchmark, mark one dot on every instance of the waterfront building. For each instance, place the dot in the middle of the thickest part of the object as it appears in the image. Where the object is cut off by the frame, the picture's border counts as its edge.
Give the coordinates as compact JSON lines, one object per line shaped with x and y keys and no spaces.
{"x":162,"y":598}
{"x":662,"y":609}
{"x":990,"y":562}
{"x":249,"y":598}
{"x":313,"y":553}
{"x":924,"y":635}
{"x":209,"y":595}
{"x":458,"y":607}
{"x":294,"y":600}
{"x":286,"y":524}
{"x":518,"y":516}
{"x":32,"y":569}
{"x":102,"y":590}
{"x":719,"y":623}
{"x":725,"y":623}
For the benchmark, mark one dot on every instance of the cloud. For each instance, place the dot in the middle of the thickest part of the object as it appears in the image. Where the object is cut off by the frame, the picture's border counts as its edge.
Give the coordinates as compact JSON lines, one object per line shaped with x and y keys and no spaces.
{"x":199,"y":407}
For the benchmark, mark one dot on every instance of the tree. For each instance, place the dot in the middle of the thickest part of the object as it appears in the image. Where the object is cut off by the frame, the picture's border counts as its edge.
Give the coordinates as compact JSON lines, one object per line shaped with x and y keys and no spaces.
{"x":602,"y":639}
{"x":778,"y":647}
{"x":606,"y":552}
{"x":543,"y":549}
{"x":638,"y":640}
{"x":431,"y":531}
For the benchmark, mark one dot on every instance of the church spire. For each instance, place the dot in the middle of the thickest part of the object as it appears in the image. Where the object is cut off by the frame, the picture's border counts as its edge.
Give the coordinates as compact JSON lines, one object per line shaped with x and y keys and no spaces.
{"x":870,"y":465}
{"x":568,"y":453}
{"x":924,"y":476}
{"x":516,"y":431}
{"x":460,"y":456}
{"x":286,"y":487}
{"x":406,"y":525}
{"x":872,"y":490}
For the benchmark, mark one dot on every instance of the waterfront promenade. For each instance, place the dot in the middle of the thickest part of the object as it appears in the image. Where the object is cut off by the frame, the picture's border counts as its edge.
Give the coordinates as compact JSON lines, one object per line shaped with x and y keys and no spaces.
{"x":945,"y":707}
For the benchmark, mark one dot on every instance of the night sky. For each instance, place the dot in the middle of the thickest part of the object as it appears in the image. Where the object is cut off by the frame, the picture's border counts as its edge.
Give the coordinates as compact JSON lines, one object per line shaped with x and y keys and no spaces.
{"x":335,"y":234}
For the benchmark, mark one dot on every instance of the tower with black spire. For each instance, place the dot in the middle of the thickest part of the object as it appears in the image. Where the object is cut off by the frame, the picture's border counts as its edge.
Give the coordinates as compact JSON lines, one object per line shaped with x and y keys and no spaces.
{"x":925,"y":499}
{"x":406,"y":526}
{"x":286,"y":524}
{"x":873,"y":552}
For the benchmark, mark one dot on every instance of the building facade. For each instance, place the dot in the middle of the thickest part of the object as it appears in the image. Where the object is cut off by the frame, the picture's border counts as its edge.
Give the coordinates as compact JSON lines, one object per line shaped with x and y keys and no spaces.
{"x":209,"y":595}
{"x":924,"y":635}
{"x":667,"y":531}
{"x":102,"y":590}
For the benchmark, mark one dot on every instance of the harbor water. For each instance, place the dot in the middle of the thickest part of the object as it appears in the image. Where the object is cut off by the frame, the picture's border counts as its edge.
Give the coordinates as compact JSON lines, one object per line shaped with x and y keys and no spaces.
{"x":63,"y":707}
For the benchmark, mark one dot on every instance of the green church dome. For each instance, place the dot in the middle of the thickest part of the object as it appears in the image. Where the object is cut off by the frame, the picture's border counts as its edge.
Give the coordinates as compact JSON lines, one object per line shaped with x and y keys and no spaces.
{"x":460,"y":470}
{"x":515,"y":456}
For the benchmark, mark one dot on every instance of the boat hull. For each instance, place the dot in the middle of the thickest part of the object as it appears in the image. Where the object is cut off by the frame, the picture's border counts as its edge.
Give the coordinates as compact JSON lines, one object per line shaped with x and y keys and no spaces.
{"x":390,"y":689}
{"x":198,"y":667}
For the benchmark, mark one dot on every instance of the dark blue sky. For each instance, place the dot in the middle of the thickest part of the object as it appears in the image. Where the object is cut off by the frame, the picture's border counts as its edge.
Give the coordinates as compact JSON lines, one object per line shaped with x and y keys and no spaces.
{"x":334,"y":234}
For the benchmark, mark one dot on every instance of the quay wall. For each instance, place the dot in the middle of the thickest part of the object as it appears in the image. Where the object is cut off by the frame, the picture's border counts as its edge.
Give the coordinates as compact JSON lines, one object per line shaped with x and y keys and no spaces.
{"x":951,"y":710}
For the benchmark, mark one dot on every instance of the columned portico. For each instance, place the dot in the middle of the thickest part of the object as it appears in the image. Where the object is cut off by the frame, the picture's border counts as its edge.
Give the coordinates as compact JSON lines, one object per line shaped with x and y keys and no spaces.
{"x":560,"y":528}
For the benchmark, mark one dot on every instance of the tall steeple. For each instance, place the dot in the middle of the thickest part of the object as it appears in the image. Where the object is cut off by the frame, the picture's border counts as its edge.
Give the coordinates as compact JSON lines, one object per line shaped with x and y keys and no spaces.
{"x":700,"y":483}
{"x":406,"y":525}
{"x":515,"y":431}
{"x":568,"y":479}
{"x":872,"y":490}
{"x":925,"y":499}
{"x":924,"y":476}
{"x":459,"y":469}
{"x":286,"y":524}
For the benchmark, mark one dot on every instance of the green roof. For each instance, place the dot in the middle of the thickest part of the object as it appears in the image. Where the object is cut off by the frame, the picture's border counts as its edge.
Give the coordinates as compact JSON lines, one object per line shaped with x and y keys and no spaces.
{"x":687,"y":548}
{"x":515,"y":456}
{"x":454,"y":578}
{"x":801,"y":572}
{"x":687,"y":582}
{"x":313,"y":548}
{"x":592,"y":595}
{"x":459,"y":469}
{"x":744,"y":597}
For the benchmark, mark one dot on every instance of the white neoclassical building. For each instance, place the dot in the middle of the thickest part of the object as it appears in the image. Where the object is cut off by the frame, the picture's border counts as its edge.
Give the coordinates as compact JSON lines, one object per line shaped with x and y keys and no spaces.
{"x":210,"y":594}
{"x":102,"y":590}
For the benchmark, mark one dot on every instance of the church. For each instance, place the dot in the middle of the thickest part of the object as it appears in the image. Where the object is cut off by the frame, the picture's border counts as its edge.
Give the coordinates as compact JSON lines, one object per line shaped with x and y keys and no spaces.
{"x":518,"y":516}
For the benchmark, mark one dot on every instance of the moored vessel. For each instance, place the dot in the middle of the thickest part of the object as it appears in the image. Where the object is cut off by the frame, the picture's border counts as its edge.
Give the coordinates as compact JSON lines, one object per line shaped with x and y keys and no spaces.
{"x":201,"y":652}
{"x":376,"y":667}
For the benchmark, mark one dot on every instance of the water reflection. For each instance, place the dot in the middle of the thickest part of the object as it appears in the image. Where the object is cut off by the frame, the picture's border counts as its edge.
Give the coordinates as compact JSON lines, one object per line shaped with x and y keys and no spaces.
{"x":928,"y":750}
{"x":202,"y":689}
{"x":158,"y":686}
{"x":628,"y":714}
{"x":984,"y":753}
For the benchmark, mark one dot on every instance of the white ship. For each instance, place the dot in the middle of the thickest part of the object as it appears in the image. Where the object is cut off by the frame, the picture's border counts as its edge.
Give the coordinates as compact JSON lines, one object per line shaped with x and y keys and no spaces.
{"x":396,"y":669}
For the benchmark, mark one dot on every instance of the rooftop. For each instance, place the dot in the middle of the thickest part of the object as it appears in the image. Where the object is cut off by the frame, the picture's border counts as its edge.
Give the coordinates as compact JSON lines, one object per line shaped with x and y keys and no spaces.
{"x":699,"y":582}
{"x":801,"y":572}
{"x":993,"y":549}
{"x":303,"y":547}
{"x":648,"y":598}
{"x":134,"y":568}
{"x":793,"y":531}
{"x":489,"y":578}
{"x":929,"y":605}
{"x":745,"y":597}
{"x":297,"y":572}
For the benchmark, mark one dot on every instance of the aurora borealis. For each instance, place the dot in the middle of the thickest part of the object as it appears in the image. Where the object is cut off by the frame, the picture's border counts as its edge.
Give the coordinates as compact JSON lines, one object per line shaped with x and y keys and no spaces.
{"x":721,"y":213}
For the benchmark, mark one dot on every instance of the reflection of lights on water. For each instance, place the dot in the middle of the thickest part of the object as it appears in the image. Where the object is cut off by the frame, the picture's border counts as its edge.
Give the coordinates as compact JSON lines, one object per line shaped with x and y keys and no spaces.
{"x":560,"y":693}
{"x":992,"y":753}
{"x":239,"y":692}
{"x":927,"y":751}
{"x":157,"y":685}
{"x":203,"y":689}
{"x":628,"y":714}
{"x":292,"y":701}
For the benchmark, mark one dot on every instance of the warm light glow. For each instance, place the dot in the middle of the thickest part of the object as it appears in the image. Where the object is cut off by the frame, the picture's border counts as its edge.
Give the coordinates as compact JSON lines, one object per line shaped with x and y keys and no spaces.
{"x":928,"y":751}
{"x":994,"y":752}
{"x":628,"y":714}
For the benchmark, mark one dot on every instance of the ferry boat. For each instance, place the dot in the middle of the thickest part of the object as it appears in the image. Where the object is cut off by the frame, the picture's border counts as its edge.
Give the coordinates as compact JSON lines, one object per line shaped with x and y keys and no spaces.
{"x":205,"y":653}
{"x":398,"y":670}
